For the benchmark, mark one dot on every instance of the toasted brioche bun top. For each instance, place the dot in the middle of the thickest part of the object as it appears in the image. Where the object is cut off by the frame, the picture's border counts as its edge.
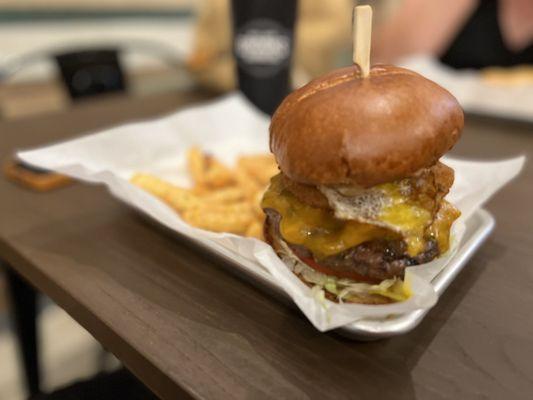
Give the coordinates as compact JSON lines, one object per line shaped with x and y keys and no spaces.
{"x":343,"y":129}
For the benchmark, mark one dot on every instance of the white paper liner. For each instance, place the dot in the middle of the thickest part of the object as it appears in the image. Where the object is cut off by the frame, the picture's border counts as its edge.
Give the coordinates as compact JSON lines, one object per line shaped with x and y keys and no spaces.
{"x":229,"y":127}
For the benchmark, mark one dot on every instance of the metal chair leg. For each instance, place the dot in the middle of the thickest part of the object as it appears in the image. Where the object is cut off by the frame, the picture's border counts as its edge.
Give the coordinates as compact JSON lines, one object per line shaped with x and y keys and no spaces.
{"x":23,"y":299}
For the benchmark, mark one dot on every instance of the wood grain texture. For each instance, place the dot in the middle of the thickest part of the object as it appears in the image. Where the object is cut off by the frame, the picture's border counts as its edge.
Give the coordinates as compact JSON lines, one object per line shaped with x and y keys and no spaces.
{"x":186,"y":327}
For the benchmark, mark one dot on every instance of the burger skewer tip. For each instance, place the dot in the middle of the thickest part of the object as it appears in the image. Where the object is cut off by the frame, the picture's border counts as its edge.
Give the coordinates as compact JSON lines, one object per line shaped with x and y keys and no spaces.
{"x":362,"y":33}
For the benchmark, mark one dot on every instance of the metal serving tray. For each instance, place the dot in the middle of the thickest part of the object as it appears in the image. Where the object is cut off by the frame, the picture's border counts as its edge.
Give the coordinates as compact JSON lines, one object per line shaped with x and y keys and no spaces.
{"x":478,"y":228}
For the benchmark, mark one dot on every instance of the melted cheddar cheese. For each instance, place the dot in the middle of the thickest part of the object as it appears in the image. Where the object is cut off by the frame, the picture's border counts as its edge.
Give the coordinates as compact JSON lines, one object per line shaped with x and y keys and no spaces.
{"x":440,"y":228}
{"x":406,"y":216}
{"x":315,"y":228}
{"x":320,"y":231}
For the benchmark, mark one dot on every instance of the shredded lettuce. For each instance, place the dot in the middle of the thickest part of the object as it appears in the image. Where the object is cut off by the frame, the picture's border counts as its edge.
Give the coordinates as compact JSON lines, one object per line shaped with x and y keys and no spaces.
{"x":319,"y":295}
{"x":331,"y":286}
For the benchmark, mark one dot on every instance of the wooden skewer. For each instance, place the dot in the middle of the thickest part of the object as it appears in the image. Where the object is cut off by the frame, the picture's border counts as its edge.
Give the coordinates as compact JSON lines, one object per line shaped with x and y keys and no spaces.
{"x":362,"y":32}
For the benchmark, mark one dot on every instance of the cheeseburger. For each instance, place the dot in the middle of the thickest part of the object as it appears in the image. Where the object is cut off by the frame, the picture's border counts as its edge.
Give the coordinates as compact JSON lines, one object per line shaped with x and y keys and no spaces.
{"x":360,"y":193}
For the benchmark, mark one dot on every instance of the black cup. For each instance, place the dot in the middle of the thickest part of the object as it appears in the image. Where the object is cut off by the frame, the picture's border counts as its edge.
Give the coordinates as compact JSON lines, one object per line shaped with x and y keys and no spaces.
{"x":263,"y":37}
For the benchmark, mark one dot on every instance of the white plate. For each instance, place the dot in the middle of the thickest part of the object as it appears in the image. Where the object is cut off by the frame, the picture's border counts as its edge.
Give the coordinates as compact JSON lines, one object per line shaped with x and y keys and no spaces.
{"x":475,"y":95}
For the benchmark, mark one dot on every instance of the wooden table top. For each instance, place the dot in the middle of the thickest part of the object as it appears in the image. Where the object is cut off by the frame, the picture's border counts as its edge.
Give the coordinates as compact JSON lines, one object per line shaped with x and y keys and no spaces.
{"x":185,"y":326}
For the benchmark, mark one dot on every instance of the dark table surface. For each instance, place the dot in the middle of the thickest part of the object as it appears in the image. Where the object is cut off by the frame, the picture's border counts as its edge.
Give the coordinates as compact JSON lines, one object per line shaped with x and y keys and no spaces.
{"x":187,"y":327}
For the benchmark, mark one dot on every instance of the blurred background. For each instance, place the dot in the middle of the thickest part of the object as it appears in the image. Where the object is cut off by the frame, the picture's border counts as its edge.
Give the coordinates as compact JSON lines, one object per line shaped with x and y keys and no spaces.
{"x":170,"y":45}
{"x":58,"y":54}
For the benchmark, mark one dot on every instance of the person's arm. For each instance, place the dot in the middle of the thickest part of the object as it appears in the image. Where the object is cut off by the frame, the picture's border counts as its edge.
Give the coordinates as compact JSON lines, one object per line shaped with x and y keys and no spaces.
{"x":420,"y":26}
{"x":516,"y":23}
